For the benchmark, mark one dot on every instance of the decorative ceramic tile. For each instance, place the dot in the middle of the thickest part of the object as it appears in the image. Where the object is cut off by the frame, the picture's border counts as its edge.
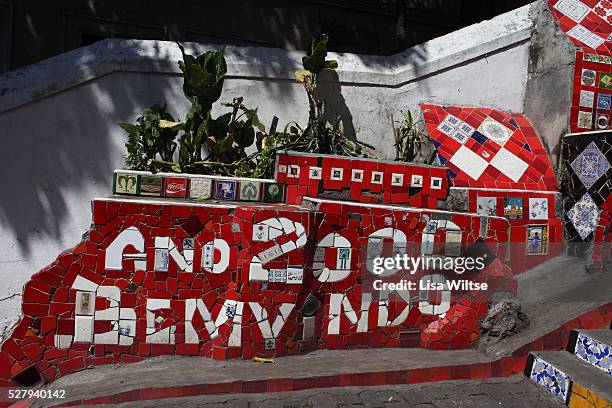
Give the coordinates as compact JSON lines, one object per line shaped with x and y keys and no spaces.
{"x":225,"y":190}
{"x":604,"y":101}
{"x":554,"y":380}
{"x":452,"y":243}
{"x":590,"y":165}
{"x":357,"y":175}
{"x":513,"y":208}
{"x":294,"y":171}
{"x":509,"y":164}
{"x":200,"y":188}
{"x":336,"y":174}
{"x":377,"y":177}
{"x":397,"y":180}
{"x":416,"y":181}
{"x":436,"y":183}
{"x":537,"y":239}
{"x":273,"y":193}
{"x":584,"y":216}
{"x":602,"y":121}
{"x":295,"y":275}
{"x":151,"y":185}
{"x":587,"y":99}
{"x":208,"y":255}
{"x":250,"y":191}
{"x":314,"y":173}
{"x":594,"y":352}
{"x":456,"y":129}
{"x":574,"y":9}
{"x":495,"y":131}
{"x":261,"y":233}
{"x":585,"y":120}
{"x":586,"y":36}
{"x":126,"y":183}
{"x":175,"y":187}
{"x":343,"y":258}
{"x":605,"y":80}
{"x":588,"y":77}
{"x":85,"y":303}
{"x":469,"y":162}
{"x":538,"y":208}
{"x":277,"y":276}
{"x":486,"y":206}
{"x":161,"y":260}
{"x":270,"y":254}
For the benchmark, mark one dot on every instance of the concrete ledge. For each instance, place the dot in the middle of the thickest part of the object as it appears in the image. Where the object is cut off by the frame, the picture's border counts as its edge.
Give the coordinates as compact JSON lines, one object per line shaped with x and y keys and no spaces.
{"x":76,"y":67}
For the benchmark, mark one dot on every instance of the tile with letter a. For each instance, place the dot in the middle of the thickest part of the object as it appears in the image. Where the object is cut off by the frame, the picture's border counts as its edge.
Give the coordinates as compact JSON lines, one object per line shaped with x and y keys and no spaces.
{"x":510,"y":165}
{"x":469,"y":162}
{"x":584,"y":216}
{"x":590,"y":165}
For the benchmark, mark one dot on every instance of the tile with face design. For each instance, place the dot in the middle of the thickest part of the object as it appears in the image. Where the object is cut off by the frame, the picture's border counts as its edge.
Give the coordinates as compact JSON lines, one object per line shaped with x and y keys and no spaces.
{"x":226,"y":190}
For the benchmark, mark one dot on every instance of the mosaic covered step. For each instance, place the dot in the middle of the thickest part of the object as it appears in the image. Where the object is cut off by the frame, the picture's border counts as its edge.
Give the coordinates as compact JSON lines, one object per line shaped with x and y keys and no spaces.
{"x":235,"y":280}
{"x":360,"y":179}
{"x":588,"y":23}
{"x":488,"y":148}
{"x":196,"y":187}
{"x":570,"y":379}
{"x":594,"y":347}
{"x":587,"y":156}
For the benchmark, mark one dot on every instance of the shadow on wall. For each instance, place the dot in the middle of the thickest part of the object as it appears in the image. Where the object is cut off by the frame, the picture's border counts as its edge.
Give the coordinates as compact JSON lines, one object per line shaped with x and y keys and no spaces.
{"x":67,"y":144}
{"x":63,"y":148}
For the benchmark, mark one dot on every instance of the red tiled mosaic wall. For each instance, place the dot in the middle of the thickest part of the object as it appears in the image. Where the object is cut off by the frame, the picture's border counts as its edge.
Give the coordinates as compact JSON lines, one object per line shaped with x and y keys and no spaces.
{"x":592,"y":99}
{"x":524,"y":211}
{"x":361,"y":180}
{"x":588,"y":23}
{"x":488,"y":148}
{"x":156,"y":278}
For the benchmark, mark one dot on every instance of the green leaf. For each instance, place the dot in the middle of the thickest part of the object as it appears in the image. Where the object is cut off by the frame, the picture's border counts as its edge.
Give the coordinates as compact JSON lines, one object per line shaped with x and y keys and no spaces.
{"x":131,"y":129}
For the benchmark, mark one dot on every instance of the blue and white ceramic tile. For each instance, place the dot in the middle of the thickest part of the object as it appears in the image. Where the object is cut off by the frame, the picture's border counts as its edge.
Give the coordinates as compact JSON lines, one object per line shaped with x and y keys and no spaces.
{"x":590,"y":165}
{"x":594,"y":352}
{"x":584,"y":216}
{"x":555,"y":381}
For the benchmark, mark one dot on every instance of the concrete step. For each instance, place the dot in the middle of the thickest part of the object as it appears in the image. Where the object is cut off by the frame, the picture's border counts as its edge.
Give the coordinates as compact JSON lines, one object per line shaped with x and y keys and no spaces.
{"x":592,"y":346}
{"x":569,"y":378}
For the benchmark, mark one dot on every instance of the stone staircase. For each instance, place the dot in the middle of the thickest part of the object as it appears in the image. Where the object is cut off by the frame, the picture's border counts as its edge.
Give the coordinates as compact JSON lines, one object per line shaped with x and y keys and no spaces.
{"x":580,"y":376}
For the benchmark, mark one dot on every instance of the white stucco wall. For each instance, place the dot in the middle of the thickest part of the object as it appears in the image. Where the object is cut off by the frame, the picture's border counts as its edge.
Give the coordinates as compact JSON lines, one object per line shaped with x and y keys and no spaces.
{"x":58,"y":118}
